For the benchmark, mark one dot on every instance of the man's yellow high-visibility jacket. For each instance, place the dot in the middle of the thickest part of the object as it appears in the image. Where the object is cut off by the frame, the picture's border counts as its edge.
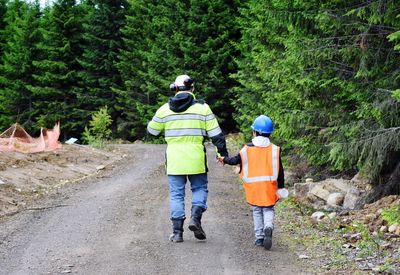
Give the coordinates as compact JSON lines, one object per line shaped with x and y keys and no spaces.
{"x":185,"y":123}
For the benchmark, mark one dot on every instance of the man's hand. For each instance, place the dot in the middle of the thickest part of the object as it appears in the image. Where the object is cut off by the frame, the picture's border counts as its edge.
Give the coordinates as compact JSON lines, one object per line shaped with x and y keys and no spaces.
{"x":220,"y":160}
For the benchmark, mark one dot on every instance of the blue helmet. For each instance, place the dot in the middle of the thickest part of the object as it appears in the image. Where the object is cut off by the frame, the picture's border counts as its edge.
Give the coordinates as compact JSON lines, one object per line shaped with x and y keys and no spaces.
{"x":263,"y":125}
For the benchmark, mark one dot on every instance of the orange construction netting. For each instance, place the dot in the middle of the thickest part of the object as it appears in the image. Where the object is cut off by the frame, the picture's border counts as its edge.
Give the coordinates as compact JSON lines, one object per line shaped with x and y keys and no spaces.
{"x":17,"y":139}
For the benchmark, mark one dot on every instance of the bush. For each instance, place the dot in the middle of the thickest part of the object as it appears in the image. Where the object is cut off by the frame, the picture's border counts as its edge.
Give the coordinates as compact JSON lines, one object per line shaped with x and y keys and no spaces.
{"x":98,"y":132}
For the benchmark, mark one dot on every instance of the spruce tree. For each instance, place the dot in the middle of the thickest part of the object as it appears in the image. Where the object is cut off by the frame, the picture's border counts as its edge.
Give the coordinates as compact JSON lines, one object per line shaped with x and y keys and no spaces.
{"x":21,"y":34}
{"x":325,"y":72}
{"x":143,"y":82}
{"x":168,"y":38}
{"x":3,"y":9}
{"x":102,"y":44}
{"x":57,"y":88}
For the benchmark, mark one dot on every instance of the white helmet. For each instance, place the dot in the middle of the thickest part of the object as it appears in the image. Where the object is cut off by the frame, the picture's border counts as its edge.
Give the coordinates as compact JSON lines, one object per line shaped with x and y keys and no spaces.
{"x":182,"y":83}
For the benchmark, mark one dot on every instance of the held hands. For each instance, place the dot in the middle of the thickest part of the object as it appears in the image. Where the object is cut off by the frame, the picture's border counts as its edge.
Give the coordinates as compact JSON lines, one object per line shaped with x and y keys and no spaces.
{"x":220,"y":160}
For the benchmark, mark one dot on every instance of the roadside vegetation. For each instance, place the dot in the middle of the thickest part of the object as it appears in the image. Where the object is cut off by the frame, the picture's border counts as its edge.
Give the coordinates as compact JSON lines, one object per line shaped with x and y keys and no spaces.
{"x":341,"y":242}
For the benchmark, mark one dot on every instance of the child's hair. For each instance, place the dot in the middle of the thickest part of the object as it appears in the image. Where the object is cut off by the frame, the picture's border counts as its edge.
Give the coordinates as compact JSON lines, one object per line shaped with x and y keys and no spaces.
{"x":261,"y":134}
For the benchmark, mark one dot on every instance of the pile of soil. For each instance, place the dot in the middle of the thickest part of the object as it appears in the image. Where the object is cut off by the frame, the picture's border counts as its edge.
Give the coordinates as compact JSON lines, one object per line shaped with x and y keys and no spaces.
{"x":24,"y":178}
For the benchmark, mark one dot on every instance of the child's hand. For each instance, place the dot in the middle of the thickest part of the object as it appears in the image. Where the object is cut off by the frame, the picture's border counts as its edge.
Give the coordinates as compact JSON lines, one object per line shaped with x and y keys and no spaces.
{"x":220,"y":160}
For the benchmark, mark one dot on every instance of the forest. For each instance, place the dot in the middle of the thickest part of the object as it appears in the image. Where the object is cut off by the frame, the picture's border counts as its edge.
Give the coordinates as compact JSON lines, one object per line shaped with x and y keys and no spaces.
{"x":326,"y":72}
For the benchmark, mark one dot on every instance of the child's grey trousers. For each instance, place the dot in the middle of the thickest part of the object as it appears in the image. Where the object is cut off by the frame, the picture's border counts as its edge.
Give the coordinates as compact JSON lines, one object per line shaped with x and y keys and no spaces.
{"x":263,"y":217}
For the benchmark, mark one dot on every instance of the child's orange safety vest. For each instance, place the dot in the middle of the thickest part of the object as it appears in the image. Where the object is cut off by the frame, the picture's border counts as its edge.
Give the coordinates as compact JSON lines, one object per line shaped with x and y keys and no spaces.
{"x":260,"y":168}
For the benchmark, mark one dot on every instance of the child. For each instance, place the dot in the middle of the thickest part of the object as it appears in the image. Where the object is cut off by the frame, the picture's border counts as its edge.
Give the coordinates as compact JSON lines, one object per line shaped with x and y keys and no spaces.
{"x":262,"y":174}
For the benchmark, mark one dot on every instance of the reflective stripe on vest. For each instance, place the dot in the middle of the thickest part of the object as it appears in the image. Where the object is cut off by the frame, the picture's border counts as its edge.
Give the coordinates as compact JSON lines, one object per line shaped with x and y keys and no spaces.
{"x":245,"y":167}
{"x":184,"y":117}
{"x":214,"y":132}
{"x":153,"y":131}
{"x":184,"y":132}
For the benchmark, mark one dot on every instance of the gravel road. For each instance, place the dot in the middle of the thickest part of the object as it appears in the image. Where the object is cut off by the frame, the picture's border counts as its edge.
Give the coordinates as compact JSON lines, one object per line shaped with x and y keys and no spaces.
{"x":119,"y":224}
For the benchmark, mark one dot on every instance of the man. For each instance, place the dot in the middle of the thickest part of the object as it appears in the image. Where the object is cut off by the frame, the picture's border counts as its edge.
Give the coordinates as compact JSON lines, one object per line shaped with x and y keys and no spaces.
{"x":185,"y":123}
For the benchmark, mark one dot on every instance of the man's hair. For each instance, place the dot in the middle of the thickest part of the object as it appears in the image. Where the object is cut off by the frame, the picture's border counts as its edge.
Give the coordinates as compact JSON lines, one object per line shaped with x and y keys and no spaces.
{"x":261,"y":134}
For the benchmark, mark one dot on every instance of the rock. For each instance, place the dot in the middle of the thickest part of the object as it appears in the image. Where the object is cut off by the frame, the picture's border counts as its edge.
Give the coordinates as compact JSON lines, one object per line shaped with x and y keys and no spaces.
{"x":320,"y":192}
{"x":318,"y":216}
{"x":290,"y":177}
{"x":100,"y":167}
{"x":335,"y":199}
{"x":348,"y":245}
{"x":302,"y":256}
{"x":385,"y":245}
{"x":383,"y":229}
{"x":351,"y":198}
{"x":359,"y":180}
{"x":369,"y":218}
{"x":342,"y":185}
{"x":2,"y":182}
{"x":392,"y":228}
{"x":352,"y":237}
{"x":355,"y":236}
{"x":344,"y":212}
{"x":309,"y":180}
{"x":301,"y":189}
{"x":332,"y":215}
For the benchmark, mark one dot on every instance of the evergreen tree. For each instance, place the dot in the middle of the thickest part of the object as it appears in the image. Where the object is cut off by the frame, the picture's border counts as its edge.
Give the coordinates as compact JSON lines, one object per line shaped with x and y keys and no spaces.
{"x":3,"y":9}
{"x":207,"y":47}
{"x":324,"y":72}
{"x":22,"y":35}
{"x":137,"y":38}
{"x":103,"y":42}
{"x":56,"y":89}
{"x":166,"y":39}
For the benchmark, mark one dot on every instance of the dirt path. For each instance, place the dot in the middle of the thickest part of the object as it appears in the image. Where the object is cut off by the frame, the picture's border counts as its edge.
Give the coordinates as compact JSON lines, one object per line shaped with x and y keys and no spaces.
{"x":120,"y":225}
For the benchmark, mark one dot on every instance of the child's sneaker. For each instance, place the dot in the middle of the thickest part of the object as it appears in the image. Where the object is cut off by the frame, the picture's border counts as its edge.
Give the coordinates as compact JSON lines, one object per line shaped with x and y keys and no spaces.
{"x":259,"y":242}
{"x":267,"y":238}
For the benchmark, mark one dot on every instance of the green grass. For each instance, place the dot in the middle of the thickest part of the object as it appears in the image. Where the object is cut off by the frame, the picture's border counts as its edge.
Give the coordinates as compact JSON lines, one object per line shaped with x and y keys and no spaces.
{"x":392,"y":215}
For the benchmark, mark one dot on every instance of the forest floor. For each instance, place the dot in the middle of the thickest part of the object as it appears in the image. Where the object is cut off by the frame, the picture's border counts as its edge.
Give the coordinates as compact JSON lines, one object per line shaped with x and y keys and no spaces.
{"x":343,"y":244}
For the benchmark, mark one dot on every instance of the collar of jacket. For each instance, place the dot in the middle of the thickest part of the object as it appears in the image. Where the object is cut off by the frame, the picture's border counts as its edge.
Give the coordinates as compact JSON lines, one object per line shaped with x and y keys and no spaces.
{"x":261,"y":141}
{"x":186,"y":92}
{"x":181,"y":101}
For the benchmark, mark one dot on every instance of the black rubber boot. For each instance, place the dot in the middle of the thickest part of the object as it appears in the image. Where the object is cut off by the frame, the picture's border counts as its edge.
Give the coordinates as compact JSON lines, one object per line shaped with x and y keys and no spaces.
{"x":267,"y":238}
{"x":177,"y":230}
{"x":195,"y":223}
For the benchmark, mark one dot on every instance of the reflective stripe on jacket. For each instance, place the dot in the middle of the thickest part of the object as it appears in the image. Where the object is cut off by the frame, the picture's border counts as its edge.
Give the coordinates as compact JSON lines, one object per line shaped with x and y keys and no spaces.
{"x":184,"y":133}
{"x":260,"y":168}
